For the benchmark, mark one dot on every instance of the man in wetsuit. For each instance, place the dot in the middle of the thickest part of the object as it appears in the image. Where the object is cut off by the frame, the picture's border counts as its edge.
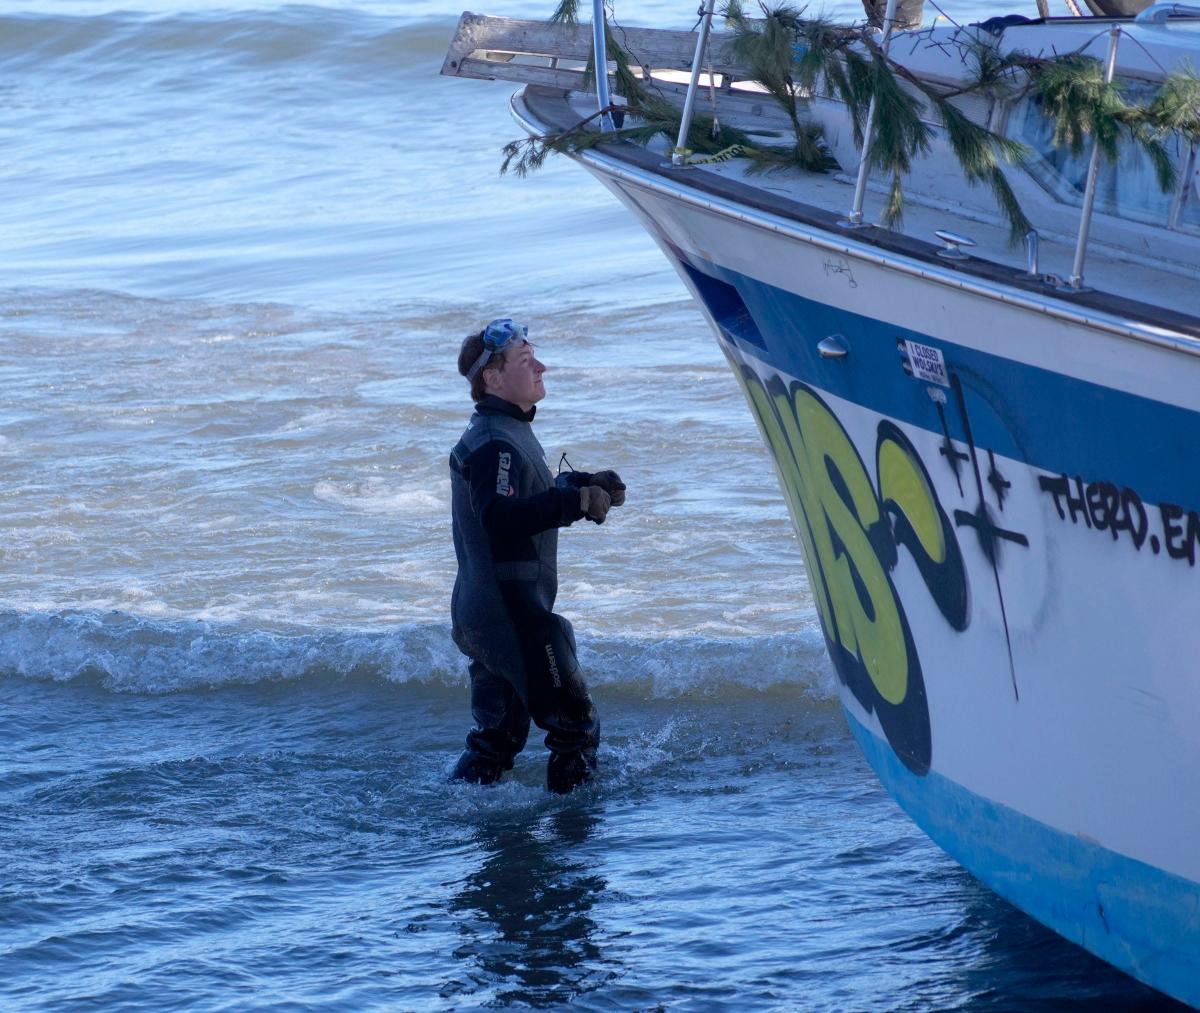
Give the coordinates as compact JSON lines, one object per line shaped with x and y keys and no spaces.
{"x":507,"y":511}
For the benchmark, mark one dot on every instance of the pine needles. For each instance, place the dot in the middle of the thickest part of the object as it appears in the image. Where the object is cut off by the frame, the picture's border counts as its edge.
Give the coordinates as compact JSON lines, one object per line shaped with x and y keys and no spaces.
{"x":787,"y":54}
{"x":566,"y":13}
{"x":793,"y":57}
{"x":848,"y":64}
{"x":980,"y":152}
{"x":1176,"y":107}
{"x":1082,"y":105}
{"x":655,"y":117}
{"x":768,"y":55}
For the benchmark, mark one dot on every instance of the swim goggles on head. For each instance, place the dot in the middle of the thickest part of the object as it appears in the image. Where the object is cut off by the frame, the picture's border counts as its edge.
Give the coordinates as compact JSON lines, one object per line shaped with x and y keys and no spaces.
{"x":496,"y":336}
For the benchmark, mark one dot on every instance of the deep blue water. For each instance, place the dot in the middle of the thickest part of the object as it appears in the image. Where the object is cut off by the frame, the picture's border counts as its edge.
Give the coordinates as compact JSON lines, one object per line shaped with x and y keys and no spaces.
{"x":295,"y":845}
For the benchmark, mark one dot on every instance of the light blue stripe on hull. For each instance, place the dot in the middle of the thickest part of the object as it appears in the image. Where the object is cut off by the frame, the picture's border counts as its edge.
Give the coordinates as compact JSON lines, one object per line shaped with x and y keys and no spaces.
{"x":1137,"y":917}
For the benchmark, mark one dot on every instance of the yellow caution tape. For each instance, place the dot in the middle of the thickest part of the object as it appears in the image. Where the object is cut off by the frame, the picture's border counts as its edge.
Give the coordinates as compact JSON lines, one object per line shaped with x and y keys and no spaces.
{"x":724,"y":155}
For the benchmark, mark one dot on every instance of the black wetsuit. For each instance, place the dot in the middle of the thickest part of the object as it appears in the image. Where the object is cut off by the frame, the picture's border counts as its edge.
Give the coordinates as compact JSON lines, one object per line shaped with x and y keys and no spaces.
{"x":507,"y":512}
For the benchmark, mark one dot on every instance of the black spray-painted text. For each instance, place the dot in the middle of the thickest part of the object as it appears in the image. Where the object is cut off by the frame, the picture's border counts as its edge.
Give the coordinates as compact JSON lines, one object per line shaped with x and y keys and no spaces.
{"x":1104,"y":506}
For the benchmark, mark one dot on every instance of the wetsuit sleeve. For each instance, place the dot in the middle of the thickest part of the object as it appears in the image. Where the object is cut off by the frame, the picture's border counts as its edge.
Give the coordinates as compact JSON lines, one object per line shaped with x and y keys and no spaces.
{"x":494,"y":473}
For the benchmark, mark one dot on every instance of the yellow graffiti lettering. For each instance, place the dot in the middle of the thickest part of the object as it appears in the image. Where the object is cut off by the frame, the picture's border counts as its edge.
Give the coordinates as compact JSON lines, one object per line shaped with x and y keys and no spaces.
{"x":920,"y":525}
{"x":850,"y":534}
{"x":792,"y":484}
{"x":868,"y":615}
{"x":902,"y":480}
{"x":835,"y":504}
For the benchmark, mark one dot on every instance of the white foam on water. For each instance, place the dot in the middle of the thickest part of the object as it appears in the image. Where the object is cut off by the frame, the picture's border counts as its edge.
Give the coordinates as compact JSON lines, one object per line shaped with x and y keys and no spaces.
{"x":141,"y":654}
{"x":379,"y":496}
{"x":690,"y":664}
{"x":152,"y":653}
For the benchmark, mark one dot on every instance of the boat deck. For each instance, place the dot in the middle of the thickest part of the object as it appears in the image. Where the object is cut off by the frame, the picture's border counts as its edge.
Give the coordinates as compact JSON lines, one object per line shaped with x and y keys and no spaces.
{"x":1122,"y":283}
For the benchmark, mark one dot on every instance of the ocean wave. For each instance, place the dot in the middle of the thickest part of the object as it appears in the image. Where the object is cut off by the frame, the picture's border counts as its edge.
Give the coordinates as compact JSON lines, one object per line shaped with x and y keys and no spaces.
{"x":295,"y":36}
{"x":125,"y":653}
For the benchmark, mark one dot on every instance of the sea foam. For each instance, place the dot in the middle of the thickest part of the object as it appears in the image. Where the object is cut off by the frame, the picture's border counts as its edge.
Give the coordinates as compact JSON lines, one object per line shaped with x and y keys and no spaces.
{"x":139,"y":654}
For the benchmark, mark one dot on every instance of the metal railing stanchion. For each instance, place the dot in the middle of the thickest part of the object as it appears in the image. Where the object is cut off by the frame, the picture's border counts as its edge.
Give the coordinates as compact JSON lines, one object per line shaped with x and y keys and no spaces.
{"x":600,"y":49}
{"x":1089,"y":193}
{"x":679,"y":152}
{"x":854,"y":219}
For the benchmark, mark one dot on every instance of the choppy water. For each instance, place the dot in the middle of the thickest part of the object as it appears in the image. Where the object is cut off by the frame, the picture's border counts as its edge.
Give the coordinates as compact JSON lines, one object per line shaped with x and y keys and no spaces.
{"x":239,"y":245}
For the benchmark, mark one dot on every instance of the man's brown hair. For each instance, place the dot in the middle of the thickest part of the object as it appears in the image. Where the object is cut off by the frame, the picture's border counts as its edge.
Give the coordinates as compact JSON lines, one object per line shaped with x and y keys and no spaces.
{"x":472,"y":349}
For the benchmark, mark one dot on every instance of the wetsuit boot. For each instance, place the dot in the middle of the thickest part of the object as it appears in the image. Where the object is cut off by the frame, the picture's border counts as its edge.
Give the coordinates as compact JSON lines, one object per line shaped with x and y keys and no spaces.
{"x":501,"y":728}
{"x":567,"y":771}
{"x":476,"y":769}
{"x":558,"y":699}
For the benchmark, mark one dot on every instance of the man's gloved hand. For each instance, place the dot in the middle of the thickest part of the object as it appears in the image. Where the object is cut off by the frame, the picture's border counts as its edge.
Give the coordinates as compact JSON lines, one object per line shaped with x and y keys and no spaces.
{"x":572,"y":479}
{"x":611,"y":483}
{"x":594,"y":502}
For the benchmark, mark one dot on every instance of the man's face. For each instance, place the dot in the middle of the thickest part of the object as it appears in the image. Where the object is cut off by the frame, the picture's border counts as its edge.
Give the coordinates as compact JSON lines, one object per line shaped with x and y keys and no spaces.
{"x":521,"y":379}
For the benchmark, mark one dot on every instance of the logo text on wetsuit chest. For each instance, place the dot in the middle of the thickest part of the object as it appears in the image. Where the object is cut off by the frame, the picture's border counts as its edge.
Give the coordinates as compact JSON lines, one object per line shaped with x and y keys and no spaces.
{"x":502,"y":486}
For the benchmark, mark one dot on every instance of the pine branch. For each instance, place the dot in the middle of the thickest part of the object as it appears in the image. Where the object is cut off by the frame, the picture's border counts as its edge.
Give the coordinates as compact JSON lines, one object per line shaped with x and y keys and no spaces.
{"x":629,"y":83}
{"x":1176,"y":107}
{"x":793,"y":57}
{"x":996,"y":74}
{"x":1079,"y":102}
{"x":528,"y":154}
{"x":893,"y":210}
{"x":1019,"y":224}
{"x":822,"y":49}
{"x":525,"y":155}
{"x":566,"y":13}
{"x":809,"y":152}
{"x":1151,"y":143}
{"x":654,"y":118}
{"x":856,"y":93}
{"x":766,"y":51}
{"x":979,"y":152}
{"x":1083,"y":106}
{"x":900,"y":131}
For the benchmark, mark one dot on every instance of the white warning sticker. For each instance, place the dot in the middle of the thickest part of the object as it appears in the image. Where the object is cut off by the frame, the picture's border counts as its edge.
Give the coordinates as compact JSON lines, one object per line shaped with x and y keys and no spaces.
{"x":927,"y":362}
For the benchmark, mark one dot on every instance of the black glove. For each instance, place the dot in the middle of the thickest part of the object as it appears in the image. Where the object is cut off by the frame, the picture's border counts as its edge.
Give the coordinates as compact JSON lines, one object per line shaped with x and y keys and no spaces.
{"x":573,"y":479}
{"x":611,"y":483}
{"x":594,"y":502}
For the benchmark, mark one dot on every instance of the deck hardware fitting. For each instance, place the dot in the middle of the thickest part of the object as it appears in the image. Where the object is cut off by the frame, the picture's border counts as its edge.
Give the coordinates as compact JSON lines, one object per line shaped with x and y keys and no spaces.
{"x":833,"y":347}
{"x":1157,"y":14}
{"x":953,"y":241}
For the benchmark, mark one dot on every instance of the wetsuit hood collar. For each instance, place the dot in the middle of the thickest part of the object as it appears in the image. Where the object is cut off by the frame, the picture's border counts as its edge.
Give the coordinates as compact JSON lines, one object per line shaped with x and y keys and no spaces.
{"x":492,"y":405}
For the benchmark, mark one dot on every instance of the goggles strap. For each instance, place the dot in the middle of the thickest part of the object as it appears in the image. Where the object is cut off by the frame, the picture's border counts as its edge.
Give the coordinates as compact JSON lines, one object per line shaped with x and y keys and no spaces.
{"x":479,"y":363}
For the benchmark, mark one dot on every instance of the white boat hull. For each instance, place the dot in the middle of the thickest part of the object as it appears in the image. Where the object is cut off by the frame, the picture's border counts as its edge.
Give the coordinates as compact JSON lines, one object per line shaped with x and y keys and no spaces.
{"x":1000,"y":517}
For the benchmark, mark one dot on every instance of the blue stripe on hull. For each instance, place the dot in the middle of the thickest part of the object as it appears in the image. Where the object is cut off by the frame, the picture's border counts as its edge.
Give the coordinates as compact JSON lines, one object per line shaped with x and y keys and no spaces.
{"x":1053,"y":421}
{"x":1138,"y":918}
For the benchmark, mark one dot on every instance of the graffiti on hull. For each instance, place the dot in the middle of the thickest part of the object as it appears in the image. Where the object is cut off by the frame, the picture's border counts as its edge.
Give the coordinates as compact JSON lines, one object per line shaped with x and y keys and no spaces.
{"x":1104,"y":506}
{"x":852,"y":528}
